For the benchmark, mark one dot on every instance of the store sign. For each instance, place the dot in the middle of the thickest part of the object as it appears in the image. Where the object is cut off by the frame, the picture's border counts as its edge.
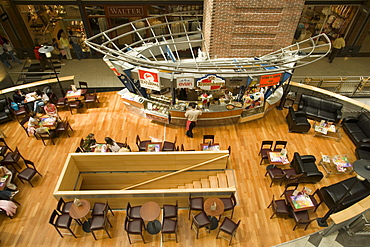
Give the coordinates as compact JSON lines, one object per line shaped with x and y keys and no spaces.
{"x":236,"y":82}
{"x":187,"y":82}
{"x":149,"y":79}
{"x":211,"y":82}
{"x":124,"y":11}
{"x":269,"y":80}
{"x":157,"y":118}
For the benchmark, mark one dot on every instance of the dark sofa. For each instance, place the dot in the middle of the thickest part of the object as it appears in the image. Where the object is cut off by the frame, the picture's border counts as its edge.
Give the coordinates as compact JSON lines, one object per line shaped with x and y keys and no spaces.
{"x":320,"y":109}
{"x":357,"y":128}
{"x":333,"y":193}
{"x":5,"y":114}
{"x":306,"y":164}
{"x":363,"y":151}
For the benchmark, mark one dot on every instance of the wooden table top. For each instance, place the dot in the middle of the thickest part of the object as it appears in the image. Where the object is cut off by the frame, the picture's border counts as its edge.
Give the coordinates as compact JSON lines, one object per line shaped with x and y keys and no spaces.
{"x":81,"y":211}
{"x":150,"y":211}
{"x":220,"y":207}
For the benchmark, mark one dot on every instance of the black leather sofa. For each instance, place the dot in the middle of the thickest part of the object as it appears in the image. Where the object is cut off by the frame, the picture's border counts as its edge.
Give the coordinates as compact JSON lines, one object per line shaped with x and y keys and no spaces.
{"x":363,"y":151}
{"x":357,"y":128}
{"x":333,"y":193}
{"x":5,"y":114}
{"x":297,"y":121}
{"x":306,"y":164}
{"x":320,"y":109}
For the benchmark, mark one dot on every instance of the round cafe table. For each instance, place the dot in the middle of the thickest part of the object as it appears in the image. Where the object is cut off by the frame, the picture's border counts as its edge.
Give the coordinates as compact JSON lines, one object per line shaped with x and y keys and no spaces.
{"x":220,"y":207}
{"x":81,"y":212}
{"x":150,"y":211}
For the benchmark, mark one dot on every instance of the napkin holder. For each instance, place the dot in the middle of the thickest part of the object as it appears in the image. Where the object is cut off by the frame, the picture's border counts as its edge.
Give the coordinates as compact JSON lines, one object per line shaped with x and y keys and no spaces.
{"x":77,"y":202}
{"x":213,"y":206}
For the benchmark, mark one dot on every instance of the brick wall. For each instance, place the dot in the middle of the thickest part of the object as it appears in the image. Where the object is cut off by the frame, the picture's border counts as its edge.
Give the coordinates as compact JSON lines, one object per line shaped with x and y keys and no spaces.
{"x":247,"y":28}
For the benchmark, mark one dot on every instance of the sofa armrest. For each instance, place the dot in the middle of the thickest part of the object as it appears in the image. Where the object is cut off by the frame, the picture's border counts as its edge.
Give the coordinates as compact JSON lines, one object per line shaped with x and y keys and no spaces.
{"x":363,"y":145}
{"x":365,"y":140}
{"x":339,"y":115}
{"x":350,"y":120}
{"x":308,"y":158}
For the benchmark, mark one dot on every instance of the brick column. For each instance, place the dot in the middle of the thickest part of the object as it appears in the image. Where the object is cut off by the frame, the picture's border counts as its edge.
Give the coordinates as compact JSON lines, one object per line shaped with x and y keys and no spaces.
{"x":247,"y":28}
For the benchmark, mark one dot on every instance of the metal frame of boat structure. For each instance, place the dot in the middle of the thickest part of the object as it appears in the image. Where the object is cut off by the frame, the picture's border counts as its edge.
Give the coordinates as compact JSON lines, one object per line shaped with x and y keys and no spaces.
{"x":163,"y":50}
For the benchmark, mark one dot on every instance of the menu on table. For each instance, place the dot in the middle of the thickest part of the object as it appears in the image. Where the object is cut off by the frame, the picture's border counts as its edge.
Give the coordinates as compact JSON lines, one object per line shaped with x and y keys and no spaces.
{"x":301,"y":201}
{"x":276,"y":157}
{"x":341,"y":162}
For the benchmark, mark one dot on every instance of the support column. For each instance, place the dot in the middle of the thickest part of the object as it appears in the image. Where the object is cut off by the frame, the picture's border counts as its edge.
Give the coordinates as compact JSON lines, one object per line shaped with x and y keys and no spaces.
{"x":247,"y":28}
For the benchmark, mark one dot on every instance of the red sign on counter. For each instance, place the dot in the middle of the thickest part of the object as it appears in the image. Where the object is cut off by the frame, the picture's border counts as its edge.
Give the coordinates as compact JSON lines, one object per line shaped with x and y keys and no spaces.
{"x":269,"y":80}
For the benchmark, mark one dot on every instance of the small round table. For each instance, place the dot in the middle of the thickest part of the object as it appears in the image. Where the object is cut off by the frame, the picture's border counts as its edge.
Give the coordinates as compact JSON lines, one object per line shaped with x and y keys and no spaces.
{"x":81,"y":212}
{"x":150,"y":211}
{"x":220,"y":207}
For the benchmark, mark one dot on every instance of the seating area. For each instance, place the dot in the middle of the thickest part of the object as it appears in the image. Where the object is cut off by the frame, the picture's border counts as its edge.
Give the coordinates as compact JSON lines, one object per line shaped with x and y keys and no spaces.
{"x":252,"y":201}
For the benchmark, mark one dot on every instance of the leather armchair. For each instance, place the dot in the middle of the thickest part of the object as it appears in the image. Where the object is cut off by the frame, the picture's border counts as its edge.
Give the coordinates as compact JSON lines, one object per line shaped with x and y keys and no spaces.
{"x":357,"y":128}
{"x":5,"y":114}
{"x":297,"y":121}
{"x":363,"y":151}
{"x":306,"y":164}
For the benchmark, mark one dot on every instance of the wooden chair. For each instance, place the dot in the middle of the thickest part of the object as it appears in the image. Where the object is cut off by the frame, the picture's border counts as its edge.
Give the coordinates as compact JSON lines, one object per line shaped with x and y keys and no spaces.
{"x":22,"y":110}
{"x":77,"y":104}
{"x":276,"y":174}
{"x":62,"y":221}
{"x":291,"y":175}
{"x":133,"y":212}
{"x":170,"y":211}
{"x":301,"y":218}
{"x":141,"y":144}
{"x":134,"y":227}
{"x":92,"y":99}
{"x":317,"y":199}
{"x":28,"y":173}
{"x":63,"y":126}
{"x":62,"y":102}
{"x":199,"y":221}
{"x":266,"y":147}
{"x":63,"y":207}
{"x":279,"y":208}
{"x":49,"y":135}
{"x":100,"y":222}
{"x":289,"y":189}
{"x":169,"y":226}
{"x":229,"y":227}
{"x":83,"y":86}
{"x":12,"y":158}
{"x":279,"y":145}
{"x":229,"y":204}
{"x":208,"y":138}
{"x":99,"y":208}
{"x":4,"y":147}
{"x":195,"y":204}
{"x":23,"y":122}
{"x":169,"y":146}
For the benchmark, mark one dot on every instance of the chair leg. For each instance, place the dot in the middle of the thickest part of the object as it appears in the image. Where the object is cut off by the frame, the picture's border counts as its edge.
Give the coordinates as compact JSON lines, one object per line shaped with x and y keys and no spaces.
{"x":106,"y":230}
{"x":232,"y":213}
{"x":162,"y":237}
{"x":272,"y":215}
{"x":189,"y":213}
{"x":92,"y":232}
{"x":142,"y":236}
{"x":30,"y":183}
{"x":59,"y":231}
{"x":218,"y":232}
{"x":43,"y":142}
{"x":21,"y":180}
{"x":129,"y":239}
{"x":69,"y":229}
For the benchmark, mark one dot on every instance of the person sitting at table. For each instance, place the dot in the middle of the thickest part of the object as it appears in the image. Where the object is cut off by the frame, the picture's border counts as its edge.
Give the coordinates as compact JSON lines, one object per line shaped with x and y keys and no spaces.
{"x":18,"y":96}
{"x":42,"y":97}
{"x":50,"y":109}
{"x":33,"y":122}
{"x":7,"y":194}
{"x":88,"y":142}
{"x":112,"y":145}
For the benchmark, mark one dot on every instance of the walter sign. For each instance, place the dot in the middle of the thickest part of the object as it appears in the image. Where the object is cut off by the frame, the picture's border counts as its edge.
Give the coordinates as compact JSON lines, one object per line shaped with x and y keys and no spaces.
{"x":149,"y":79}
{"x":185,"y":82}
{"x":211,"y":82}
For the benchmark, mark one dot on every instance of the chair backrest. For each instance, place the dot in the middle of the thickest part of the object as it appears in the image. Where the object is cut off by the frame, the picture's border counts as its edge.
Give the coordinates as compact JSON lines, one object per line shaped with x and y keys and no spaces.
{"x":127,"y":221}
{"x":53,"y":217}
{"x":279,"y":145}
{"x":233,"y":199}
{"x":24,"y":121}
{"x":2,"y":140}
{"x":295,"y":177}
{"x":128,"y":208}
{"x":60,"y":204}
{"x":29,"y":163}
{"x":208,"y":137}
{"x":15,"y":154}
{"x":138,"y":141}
{"x":83,"y":83}
{"x":266,"y":144}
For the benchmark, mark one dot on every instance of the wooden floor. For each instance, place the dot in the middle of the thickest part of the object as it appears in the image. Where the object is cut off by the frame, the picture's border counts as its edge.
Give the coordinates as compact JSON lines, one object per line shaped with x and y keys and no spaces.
{"x":30,"y":226}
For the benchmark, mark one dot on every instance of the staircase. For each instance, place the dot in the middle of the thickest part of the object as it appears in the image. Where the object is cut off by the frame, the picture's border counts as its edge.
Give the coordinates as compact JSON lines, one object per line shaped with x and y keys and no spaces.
{"x":220,"y":180}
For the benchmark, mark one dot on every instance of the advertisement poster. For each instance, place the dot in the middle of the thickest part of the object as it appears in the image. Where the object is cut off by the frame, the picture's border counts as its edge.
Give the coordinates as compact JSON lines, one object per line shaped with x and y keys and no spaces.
{"x":269,"y":80}
{"x":149,"y":79}
{"x":185,"y":82}
{"x":211,"y":82}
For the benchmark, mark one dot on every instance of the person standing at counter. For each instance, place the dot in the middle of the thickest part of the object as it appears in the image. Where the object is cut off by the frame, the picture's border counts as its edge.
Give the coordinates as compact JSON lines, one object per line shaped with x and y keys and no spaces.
{"x":192,"y":115}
